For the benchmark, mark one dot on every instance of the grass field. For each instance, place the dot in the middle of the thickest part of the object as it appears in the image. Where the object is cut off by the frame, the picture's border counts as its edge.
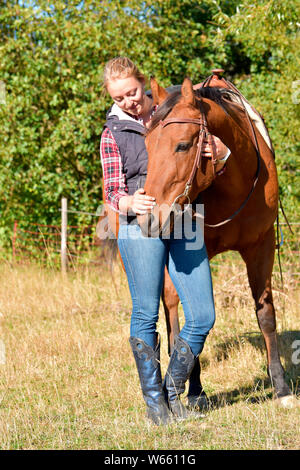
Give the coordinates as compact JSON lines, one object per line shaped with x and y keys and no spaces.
{"x":68,"y":378}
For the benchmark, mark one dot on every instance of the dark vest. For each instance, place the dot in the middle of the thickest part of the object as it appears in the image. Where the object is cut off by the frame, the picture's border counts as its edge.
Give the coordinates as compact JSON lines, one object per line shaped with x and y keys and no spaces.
{"x":129,"y":137}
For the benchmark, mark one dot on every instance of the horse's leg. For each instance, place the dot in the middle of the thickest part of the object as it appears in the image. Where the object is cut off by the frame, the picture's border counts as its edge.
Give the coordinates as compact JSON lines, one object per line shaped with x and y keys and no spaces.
{"x":259,"y":261}
{"x":170,"y":301}
{"x":196,"y":395}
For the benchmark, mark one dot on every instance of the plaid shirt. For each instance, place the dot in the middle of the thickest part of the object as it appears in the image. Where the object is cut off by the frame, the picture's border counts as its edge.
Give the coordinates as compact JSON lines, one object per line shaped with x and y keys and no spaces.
{"x":113,"y":176}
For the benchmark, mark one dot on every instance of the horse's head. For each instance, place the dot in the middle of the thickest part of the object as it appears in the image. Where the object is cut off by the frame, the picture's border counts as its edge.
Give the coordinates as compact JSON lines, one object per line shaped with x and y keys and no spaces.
{"x":176,"y":172}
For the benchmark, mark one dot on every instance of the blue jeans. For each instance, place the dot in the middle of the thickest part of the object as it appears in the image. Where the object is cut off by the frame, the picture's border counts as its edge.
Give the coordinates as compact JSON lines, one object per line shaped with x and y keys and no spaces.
{"x":187,"y":262}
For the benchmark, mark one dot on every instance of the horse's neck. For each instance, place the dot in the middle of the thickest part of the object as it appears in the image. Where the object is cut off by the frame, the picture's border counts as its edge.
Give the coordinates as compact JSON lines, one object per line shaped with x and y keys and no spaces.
{"x":241,"y":166}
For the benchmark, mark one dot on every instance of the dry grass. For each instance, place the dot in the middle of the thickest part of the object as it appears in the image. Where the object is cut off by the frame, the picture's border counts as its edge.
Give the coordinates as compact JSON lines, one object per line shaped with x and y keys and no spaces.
{"x":69,"y":380}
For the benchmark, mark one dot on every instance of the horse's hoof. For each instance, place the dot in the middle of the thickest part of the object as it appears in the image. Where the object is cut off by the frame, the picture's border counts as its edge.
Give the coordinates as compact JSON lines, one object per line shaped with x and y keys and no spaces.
{"x":288,"y":402}
{"x":198,"y":402}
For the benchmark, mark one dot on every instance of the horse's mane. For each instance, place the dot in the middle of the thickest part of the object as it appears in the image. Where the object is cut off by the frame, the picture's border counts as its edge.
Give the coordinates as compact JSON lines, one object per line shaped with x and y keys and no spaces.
{"x":220,"y":96}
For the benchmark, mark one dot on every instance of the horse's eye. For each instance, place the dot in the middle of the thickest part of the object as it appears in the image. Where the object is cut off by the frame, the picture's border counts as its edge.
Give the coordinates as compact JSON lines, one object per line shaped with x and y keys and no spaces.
{"x":182,"y":147}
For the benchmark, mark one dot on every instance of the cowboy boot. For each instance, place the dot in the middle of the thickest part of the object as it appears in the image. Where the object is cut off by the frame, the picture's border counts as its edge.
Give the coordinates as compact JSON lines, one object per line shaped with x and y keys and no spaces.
{"x":148,"y":366}
{"x":180,"y":367}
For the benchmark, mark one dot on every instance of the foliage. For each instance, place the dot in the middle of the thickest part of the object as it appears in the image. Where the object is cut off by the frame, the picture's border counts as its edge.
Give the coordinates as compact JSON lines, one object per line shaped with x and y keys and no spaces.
{"x":268,"y":35}
{"x":52,"y":56}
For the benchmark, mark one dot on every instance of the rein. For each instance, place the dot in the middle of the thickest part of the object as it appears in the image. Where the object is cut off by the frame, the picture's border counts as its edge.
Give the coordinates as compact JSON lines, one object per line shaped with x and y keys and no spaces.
{"x":203,"y":132}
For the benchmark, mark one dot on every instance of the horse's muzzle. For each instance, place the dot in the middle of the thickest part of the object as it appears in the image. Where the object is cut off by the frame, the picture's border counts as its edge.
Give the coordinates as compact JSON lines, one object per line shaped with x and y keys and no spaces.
{"x":156,"y":223}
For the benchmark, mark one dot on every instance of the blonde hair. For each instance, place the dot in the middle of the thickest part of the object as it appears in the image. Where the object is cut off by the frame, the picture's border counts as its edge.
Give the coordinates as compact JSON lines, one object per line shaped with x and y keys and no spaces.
{"x":121,"y":67}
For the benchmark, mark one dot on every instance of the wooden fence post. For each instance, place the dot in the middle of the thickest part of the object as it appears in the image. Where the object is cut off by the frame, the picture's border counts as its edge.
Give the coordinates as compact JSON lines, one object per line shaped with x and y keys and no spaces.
{"x":64,"y":226}
{"x":14,"y":239}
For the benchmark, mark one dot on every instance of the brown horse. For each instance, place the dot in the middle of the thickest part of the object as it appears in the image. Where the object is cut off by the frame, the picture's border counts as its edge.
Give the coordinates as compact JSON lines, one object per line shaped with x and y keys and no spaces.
{"x":241,"y":203}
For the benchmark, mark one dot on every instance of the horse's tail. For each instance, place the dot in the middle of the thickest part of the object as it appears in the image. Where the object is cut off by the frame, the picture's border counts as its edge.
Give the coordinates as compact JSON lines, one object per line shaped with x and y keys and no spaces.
{"x":107,"y":237}
{"x":107,"y":230}
{"x":111,"y":250}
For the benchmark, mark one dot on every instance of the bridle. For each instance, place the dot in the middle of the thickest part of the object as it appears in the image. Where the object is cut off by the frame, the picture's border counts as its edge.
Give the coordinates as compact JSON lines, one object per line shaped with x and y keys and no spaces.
{"x":203,"y":132}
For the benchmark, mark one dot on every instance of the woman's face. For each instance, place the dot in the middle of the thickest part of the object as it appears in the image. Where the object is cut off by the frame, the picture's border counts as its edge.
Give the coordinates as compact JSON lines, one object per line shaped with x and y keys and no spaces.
{"x":128,"y":94}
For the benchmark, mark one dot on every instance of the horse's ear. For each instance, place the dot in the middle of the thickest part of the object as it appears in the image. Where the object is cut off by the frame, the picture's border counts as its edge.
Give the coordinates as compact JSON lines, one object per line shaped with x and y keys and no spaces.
{"x":187,"y":91}
{"x":159,"y":94}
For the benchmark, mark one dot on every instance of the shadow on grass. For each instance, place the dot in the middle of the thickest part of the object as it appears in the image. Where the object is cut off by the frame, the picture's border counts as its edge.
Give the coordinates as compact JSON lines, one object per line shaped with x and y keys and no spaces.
{"x":260,"y":390}
{"x":243,"y":394}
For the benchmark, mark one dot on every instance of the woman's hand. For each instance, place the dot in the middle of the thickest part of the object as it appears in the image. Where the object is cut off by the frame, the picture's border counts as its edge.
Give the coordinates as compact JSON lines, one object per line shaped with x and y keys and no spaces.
{"x":220,"y":149}
{"x":139,"y":203}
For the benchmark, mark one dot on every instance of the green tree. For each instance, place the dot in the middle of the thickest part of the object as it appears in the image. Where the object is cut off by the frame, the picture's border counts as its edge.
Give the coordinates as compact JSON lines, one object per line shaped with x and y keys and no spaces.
{"x":52,"y":58}
{"x":267,"y":33}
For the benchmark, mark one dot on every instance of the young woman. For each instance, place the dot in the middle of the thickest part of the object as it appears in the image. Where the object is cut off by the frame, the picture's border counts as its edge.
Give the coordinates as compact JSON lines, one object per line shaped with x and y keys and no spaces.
{"x":124,"y":162}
